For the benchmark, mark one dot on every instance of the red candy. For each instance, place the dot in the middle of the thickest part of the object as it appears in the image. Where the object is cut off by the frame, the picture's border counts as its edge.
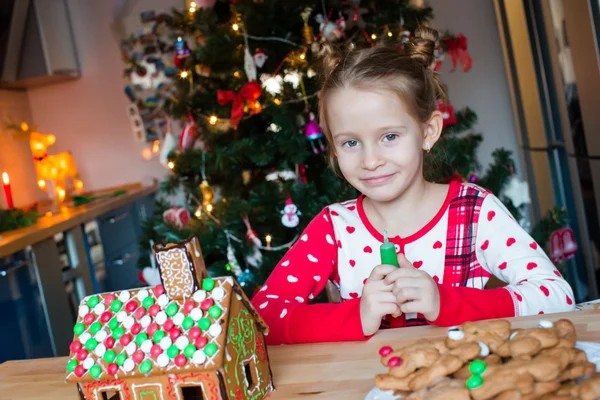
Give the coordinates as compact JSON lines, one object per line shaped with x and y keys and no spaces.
{"x":82,"y":354}
{"x":180,"y":360}
{"x":109,"y":342}
{"x":79,"y":371}
{"x":152,"y":328}
{"x":112,"y":369}
{"x":130,"y":306}
{"x":385,"y":351}
{"x":140,"y":312}
{"x":136,"y":328}
{"x":105,"y":317}
{"x":394,"y":362}
{"x":189,"y":306}
{"x":89,"y":319}
{"x":206,"y":304}
{"x":153,"y":310}
{"x":155,"y":351}
{"x":200,"y":342}
{"x":125,"y":340}
{"x":194,"y":332}
{"x":158,"y":290}
{"x":75,"y":347}
{"x":174,"y":333}
{"x":168,"y":325}
{"x":108,"y":299}
{"x":138,"y":356}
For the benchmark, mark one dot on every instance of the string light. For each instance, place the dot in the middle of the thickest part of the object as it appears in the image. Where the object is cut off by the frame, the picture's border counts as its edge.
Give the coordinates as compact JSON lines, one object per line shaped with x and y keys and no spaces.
{"x":209,"y":208}
{"x":171,"y":164}
{"x":184,"y":74}
{"x":235,"y":27}
{"x":373,"y":36}
{"x":213,"y":120}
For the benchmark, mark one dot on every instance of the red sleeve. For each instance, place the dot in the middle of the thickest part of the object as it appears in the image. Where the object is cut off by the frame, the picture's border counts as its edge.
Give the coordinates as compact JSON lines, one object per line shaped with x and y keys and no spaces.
{"x":462,"y":304}
{"x":298,"y":278}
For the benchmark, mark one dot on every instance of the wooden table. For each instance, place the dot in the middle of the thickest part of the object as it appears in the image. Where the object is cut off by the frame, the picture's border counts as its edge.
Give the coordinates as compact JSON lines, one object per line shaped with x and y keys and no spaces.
{"x":316,"y":371}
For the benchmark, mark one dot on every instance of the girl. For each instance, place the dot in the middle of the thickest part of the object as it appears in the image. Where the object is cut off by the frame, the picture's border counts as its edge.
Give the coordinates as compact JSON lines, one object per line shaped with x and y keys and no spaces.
{"x":378,"y":111}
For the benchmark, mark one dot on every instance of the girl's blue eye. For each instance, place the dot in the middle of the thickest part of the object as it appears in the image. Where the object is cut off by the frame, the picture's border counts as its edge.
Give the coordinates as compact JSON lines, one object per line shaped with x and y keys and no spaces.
{"x":350,"y":143}
{"x":390,"y":136}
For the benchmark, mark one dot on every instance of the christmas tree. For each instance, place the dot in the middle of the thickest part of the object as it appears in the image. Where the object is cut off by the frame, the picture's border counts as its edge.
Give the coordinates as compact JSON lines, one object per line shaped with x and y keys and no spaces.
{"x":251,"y":158}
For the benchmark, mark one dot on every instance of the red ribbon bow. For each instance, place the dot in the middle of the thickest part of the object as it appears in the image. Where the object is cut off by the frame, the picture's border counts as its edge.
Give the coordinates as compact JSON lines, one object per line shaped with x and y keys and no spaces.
{"x":250,"y":92}
{"x":457,"y":48}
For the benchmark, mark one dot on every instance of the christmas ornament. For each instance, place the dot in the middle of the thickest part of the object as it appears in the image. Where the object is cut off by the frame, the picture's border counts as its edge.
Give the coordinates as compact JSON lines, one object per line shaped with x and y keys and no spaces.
{"x":447,"y":111}
{"x":307,"y":30}
{"x":260,"y":58}
{"x":246,"y":278}
{"x":457,"y":48}
{"x":176,"y":217}
{"x":249,"y":93}
{"x":517,"y":191}
{"x":232,"y":262}
{"x":208,"y":193}
{"x":355,"y":15}
{"x":290,"y":214}
{"x":255,"y":257}
{"x":314,"y":135}
{"x":249,"y":65}
{"x":169,"y":144}
{"x":328,"y":29}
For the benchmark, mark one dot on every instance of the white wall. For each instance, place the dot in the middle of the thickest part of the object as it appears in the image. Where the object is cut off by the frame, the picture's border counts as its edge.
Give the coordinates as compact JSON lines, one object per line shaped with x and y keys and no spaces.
{"x":485,"y":88}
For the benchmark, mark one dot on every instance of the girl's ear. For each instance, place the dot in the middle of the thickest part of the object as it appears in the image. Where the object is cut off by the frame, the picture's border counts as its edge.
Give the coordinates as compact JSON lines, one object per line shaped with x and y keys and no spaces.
{"x":432,"y":130}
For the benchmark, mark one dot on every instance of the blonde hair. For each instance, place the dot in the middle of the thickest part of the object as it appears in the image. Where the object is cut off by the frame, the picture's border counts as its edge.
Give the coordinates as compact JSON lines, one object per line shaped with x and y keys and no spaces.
{"x":407,"y":73}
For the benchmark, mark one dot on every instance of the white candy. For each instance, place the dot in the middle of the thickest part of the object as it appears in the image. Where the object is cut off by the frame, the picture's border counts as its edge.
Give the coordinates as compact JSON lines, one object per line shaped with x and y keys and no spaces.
{"x":199,"y":296}
{"x":456,"y":335}
{"x":512,"y":335}
{"x":161,"y":318}
{"x":101,"y":336}
{"x":121,"y":315}
{"x":146,"y":346}
{"x":165,"y":343}
{"x":162,"y":300}
{"x":128,"y":322}
{"x":83,"y":310}
{"x":484,"y":350}
{"x":124,"y":296}
{"x":181,"y":342}
{"x":178,"y":318}
{"x":142,"y":294}
{"x":99,"y":309}
{"x":84,"y":337}
{"x":100,"y":350}
{"x":218,"y":294}
{"x":128,"y":365}
{"x":199,"y":357}
{"x":162,"y":360}
{"x":544,"y":323}
{"x":130,"y":348}
{"x":196,"y":314}
{"x":215,"y":330}
{"x":88,"y":363}
{"x":145,"y":321}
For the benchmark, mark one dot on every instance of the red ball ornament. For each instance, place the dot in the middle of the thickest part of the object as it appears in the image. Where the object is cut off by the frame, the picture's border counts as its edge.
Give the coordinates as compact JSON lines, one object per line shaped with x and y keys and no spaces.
{"x":136,"y":328}
{"x":112,"y":369}
{"x":189,"y":306}
{"x":105,"y":317}
{"x":153,"y":310}
{"x":140,"y":312}
{"x":180,"y":360}
{"x":109,"y":342}
{"x":125,"y":340}
{"x":194,"y":333}
{"x":138,"y":356}
{"x":79,"y":371}
{"x":155,"y":351}
{"x":152,"y":328}
{"x":75,"y":347}
{"x":108,"y":299}
{"x":200,"y":342}
{"x":168,"y":325}
{"x":158,"y":290}
{"x":88,"y":319}
{"x":130,"y":306}
{"x":206,"y":304}
{"x":82,"y":354}
{"x":385,"y":351}
{"x":174,"y":333}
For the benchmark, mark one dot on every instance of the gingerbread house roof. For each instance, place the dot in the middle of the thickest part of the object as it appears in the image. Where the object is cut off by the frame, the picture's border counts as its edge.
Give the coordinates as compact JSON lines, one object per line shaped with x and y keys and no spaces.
{"x":143,"y":332}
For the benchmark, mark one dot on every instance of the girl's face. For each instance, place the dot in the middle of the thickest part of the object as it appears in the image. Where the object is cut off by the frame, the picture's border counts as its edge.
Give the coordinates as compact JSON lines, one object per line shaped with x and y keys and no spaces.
{"x":378,"y":145}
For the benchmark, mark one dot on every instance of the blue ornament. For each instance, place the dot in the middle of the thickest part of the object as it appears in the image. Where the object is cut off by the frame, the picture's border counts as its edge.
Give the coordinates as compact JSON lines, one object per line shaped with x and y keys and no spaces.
{"x":246,"y":278}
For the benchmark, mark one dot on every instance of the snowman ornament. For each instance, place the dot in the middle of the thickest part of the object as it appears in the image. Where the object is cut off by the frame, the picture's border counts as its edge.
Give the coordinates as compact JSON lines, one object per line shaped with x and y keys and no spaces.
{"x":290,"y":215}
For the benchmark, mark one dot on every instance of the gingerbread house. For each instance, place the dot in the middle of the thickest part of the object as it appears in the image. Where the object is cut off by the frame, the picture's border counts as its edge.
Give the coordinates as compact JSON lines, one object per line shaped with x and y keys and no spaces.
{"x":192,"y":337}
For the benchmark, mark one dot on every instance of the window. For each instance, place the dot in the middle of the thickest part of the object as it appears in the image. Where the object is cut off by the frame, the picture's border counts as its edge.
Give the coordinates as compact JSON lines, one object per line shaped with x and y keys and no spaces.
{"x":192,"y":393}
{"x":111,"y":395}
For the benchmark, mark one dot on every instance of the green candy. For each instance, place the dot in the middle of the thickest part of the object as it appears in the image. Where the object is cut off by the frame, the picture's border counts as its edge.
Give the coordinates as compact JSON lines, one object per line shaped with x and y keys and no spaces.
{"x":210,"y":349}
{"x":109,"y":356}
{"x":95,"y":372}
{"x":208,"y":284}
{"x":158,"y":336}
{"x":477,"y":367}
{"x":148,"y":302}
{"x":79,"y":328}
{"x":91,"y":344}
{"x":93,"y":301}
{"x":71,"y":365}
{"x":172,"y":351}
{"x":189,"y":350}
{"x":116,"y":305}
{"x":187,"y":323}
{"x":204,"y":323}
{"x":145,"y":366}
{"x":141,"y":338}
{"x":95,"y":327}
{"x":113,"y":324}
{"x":172,"y":309}
{"x":214,"y":311}
{"x":117,"y":333}
{"x":120,"y":360}
{"x":474,"y":382}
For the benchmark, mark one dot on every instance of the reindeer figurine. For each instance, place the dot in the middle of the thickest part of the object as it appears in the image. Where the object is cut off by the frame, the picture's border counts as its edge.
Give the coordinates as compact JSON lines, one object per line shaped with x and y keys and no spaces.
{"x":56,"y":168}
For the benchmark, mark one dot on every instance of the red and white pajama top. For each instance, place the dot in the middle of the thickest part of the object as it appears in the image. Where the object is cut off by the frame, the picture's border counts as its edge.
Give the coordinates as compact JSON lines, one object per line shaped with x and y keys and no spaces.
{"x":472,"y":237}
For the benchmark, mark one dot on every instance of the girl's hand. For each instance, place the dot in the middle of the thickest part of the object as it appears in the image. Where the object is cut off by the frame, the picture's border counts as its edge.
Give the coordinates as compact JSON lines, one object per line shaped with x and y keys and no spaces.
{"x":377,"y":299}
{"x":415,"y":290}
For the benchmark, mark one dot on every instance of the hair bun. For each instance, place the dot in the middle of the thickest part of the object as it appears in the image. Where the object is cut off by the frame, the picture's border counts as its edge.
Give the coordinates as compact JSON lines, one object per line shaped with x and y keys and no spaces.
{"x":330,"y":58}
{"x":421,"y":46}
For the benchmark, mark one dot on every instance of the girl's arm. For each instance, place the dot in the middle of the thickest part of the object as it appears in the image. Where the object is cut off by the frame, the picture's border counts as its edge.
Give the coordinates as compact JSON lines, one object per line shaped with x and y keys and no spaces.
{"x":505,"y":250}
{"x":298,"y":278}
